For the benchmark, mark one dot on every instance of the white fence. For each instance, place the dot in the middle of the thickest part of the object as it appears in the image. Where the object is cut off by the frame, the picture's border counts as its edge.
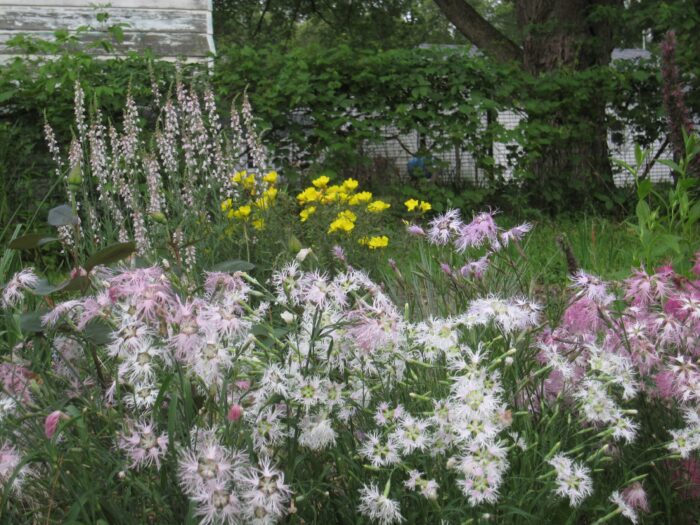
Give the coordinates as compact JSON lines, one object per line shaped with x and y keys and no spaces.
{"x":399,"y":149}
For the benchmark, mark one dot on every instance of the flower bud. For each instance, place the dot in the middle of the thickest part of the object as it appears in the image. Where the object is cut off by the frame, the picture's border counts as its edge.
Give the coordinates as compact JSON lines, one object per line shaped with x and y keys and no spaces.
{"x":235,"y":413}
{"x":158,"y":216}
{"x":51,"y":422}
{"x":74,"y":177}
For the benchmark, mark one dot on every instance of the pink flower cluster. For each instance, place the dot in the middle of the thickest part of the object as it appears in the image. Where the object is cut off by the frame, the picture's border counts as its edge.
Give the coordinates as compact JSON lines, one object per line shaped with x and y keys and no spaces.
{"x":481,"y":233}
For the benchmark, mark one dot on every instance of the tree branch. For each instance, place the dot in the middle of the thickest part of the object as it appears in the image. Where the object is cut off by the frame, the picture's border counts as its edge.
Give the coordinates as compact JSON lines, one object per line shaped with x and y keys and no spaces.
{"x":479,"y":31}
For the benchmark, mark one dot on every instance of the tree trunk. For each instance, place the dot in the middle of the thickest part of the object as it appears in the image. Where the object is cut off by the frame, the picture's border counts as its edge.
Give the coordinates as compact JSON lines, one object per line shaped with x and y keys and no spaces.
{"x":568,"y":35}
{"x":558,"y":35}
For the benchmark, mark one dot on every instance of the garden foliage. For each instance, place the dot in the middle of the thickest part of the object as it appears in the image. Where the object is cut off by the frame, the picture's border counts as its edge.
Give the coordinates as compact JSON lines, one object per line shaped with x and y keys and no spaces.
{"x":324,"y":105}
{"x":314,"y":396}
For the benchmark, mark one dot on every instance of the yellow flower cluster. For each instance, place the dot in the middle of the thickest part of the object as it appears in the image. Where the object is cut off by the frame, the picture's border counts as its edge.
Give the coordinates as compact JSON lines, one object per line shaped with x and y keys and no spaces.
{"x":260,"y":195}
{"x":375,"y":242}
{"x":345,"y":221}
{"x":413,"y":204}
{"x":343,"y":197}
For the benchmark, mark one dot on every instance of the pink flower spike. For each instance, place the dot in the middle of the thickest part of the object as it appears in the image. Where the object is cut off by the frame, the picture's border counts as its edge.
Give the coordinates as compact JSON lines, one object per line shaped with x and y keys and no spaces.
{"x":235,"y":413}
{"x":51,"y":423}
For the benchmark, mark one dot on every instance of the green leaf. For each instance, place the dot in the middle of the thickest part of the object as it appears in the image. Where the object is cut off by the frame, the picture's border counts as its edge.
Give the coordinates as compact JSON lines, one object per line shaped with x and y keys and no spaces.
{"x":669,"y":163}
{"x":113,"y":253}
{"x":644,"y":188}
{"x":664,"y":243}
{"x":43,"y":287}
{"x":694,"y":213}
{"x":31,"y":240}
{"x":261,"y":330}
{"x":80,"y":282}
{"x":62,"y":216}
{"x":30,"y":323}
{"x":233,"y":266}
{"x":98,"y":332}
{"x":643,"y":212}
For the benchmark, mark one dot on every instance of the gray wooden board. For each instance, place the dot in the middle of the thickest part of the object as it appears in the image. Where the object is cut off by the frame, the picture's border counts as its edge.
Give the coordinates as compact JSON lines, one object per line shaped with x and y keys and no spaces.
{"x":204,"y":5}
{"x":33,"y":18}
{"x":162,"y":44}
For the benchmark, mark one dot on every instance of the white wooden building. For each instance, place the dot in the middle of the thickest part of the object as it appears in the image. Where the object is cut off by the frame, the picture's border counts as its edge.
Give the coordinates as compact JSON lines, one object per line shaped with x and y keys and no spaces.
{"x":170,"y":28}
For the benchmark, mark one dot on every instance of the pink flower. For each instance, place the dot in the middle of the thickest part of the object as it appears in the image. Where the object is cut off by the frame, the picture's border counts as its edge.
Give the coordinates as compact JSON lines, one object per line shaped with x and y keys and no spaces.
{"x":665,"y":384}
{"x":51,"y":423}
{"x":235,"y":413}
{"x":444,"y":226}
{"x":475,"y":268}
{"x":515,"y":234}
{"x":142,"y":444}
{"x":14,"y":290}
{"x":483,"y":228}
{"x":582,"y":316}
{"x":14,"y":379}
{"x":685,"y":477}
{"x":415,"y":230}
{"x":636,"y":497}
{"x":242,"y":384}
{"x":339,"y":253}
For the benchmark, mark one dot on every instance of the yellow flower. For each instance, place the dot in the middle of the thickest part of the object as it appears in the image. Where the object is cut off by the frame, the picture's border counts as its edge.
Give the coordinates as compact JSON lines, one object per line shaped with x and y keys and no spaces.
{"x":226,"y":205}
{"x":378,"y":207}
{"x":411,"y":204}
{"x":271,"y":193}
{"x":341,"y":224}
{"x":347,"y":215}
{"x":350,"y":184}
{"x":374,"y":243}
{"x":425,"y":206}
{"x":306,"y":213}
{"x":249,"y":182}
{"x":243,"y":212}
{"x":331,"y":194}
{"x":308,"y":195}
{"x":262,"y":203}
{"x":321,"y":182}
{"x":259,"y":224}
{"x":271,"y":177}
{"x":359,"y":198}
{"x":238,"y":176}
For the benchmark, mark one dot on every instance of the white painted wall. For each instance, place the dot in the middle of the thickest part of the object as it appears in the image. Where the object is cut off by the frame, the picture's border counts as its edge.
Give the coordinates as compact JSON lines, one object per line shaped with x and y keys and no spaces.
{"x":170,"y":28}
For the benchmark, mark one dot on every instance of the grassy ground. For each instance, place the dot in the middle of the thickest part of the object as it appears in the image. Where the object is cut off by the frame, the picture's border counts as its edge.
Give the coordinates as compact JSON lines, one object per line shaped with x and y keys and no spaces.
{"x":600,"y":246}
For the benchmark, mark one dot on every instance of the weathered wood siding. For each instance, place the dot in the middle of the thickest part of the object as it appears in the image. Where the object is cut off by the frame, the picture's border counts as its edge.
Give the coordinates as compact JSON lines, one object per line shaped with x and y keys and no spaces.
{"x":170,"y":28}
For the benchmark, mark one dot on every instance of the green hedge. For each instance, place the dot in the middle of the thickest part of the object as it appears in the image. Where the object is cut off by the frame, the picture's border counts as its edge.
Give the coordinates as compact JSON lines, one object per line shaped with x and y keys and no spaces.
{"x":327,"y":102}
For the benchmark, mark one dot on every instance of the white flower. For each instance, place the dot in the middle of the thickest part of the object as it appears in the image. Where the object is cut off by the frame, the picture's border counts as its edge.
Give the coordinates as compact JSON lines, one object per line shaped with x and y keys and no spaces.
{"x":379,"y":451}
{"x":14,"y":289}
{"x":427,"y":488}
{"x":303,"y":254}
{"x":573,"y":479}
{"x":597,"y":405}
{"x":378,"y":507}
{"x":384,"y":415}
{"x":627,"y":511}
{"x":265,"y":493}
{"x":412,"y":434}
{"x":316,"y":432}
